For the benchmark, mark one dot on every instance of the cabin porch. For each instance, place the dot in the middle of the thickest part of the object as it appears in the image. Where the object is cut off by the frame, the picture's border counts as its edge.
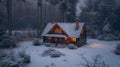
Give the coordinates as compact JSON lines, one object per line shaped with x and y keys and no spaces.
{"x":62,"y":40}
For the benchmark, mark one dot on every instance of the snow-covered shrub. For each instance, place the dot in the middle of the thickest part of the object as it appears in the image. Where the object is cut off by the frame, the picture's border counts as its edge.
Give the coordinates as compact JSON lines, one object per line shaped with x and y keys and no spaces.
{"x":36,"y":42}
{"x":72,"y":46}
{"x":106,"y":28}
{"x":26,"y":58}
{"x":118,"y":46}
{"x":94,"y":62}
{"x":55,"y":54}
{"x":118,"y":36}
{"x":108,"y":37}
{"x":52,"y":53}
{"x":2,"y":54}
{"x":22,"y":53}
{"x":117,"y":50}
{"x":47,"y":44}
{"x":12,"y":59}
{"x":14,"y":64}
{"x":47,"y":52}
{"x":4,"y":64}
{"x":9,"y":61}
{"x":7,"y":42}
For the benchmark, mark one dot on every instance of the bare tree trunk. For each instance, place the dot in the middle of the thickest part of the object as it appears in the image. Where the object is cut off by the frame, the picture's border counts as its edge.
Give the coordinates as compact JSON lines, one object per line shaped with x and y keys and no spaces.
{"x":9,"y":10}
{"x":40,"y":23}
{"x":45,"y":17}
{"x":53,"y":15}
{"x":38,"y":27}
{"x":63,"y":16}
{"x":50,"y":13}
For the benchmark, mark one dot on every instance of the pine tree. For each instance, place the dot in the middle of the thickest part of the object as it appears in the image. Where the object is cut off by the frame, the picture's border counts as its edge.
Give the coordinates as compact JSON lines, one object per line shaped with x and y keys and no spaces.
{"x":24,"y":1}
{"x":116,"y":25}
{"x":53,"y":3}
{"x":40,"y":22}
{"x":2,"y":32}
{"x":71,"y":10}
{"x":63,"y":8}
{"x":0,"y":1}
{"x":5,"y":40}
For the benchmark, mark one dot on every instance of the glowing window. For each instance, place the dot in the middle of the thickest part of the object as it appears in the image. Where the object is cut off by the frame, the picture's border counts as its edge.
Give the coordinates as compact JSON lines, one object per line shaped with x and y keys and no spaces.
{"x":49,"y":38}
{"x":65,"y":38}
{"x":58,"y":30}
{"x":73,"y":39}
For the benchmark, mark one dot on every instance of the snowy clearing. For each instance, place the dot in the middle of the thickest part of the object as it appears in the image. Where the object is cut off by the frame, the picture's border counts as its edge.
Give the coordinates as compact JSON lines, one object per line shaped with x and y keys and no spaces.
{"x":72,"y":58}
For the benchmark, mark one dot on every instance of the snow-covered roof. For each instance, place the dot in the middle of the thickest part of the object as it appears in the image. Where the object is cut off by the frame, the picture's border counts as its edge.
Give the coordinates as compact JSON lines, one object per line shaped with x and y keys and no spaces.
{"x":69,"y":29}
{"x":55,"y":35}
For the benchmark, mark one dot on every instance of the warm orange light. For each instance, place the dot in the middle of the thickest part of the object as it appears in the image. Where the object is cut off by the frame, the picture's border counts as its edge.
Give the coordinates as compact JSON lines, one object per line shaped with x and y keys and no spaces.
{"x":66,"y":38}
{"x":49,"y":38}
{"x":56,"y":39}
{"x":60,"y":39}
{"x":73,"y":39}
{"x":58,"y":30}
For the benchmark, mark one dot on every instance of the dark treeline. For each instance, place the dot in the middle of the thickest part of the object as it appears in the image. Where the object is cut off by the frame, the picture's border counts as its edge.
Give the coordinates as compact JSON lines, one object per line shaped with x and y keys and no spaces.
{"x":102,"y":17}
{"x":24,"y":12}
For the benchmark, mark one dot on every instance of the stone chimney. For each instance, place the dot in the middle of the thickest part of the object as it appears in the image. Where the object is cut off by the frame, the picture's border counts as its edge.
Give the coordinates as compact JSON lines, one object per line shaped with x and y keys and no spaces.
{"x":77,"y":24}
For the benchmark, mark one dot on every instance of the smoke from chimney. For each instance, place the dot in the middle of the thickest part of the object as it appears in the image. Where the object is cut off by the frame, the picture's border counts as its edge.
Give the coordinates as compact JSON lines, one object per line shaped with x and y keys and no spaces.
{"x":81,"y":4}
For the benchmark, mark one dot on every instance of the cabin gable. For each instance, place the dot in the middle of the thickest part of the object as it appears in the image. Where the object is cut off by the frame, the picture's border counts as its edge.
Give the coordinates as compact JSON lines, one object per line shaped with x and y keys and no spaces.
{"x":57,"y":30}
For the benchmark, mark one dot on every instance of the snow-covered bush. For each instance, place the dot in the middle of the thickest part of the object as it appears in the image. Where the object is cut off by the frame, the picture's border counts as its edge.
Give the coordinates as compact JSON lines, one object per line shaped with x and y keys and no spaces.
{"x":9,"y":60}
{"x":10,"y":41}
{"x":26,"y":58}
{"x":72,"y":46}
{"x":94,"y":62}
{"x":108,"y":37}
{"x":14,"y":64}
{"x":117,"y":50}
{"x":7,"y":42}
{"x":12,"y":59}
{"x":118,"y":46}
{"x":36,"y":42}
{"x":2,"y":54}
{"x":55,"y":54}
{"x":47,"y":52}
{"x":52,"y":53}
{"x":22,"y":53}
{"x":47,"y":44}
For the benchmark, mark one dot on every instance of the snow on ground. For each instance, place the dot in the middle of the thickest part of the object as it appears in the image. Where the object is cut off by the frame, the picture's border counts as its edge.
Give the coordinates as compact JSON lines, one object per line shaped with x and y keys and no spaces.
{"x":72,"y":58}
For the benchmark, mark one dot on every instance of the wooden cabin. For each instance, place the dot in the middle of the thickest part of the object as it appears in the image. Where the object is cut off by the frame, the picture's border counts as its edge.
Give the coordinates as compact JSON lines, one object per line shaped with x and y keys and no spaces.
{"x":65,"y":33}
